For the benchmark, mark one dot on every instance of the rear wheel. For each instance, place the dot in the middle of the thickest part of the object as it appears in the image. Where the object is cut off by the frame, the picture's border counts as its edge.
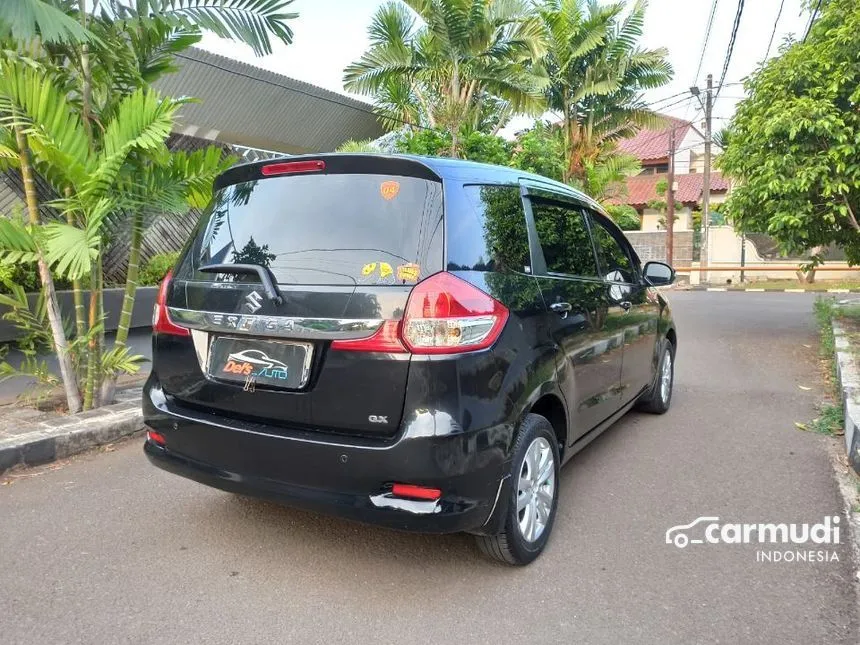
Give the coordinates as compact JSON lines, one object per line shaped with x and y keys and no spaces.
{"x":534,"y":495}
{"x":658,"y":399}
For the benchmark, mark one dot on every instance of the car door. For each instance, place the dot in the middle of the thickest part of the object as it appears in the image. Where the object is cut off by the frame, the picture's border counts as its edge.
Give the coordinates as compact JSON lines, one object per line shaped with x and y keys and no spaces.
{"x":635,"y":303}
{"x":578,"y":310}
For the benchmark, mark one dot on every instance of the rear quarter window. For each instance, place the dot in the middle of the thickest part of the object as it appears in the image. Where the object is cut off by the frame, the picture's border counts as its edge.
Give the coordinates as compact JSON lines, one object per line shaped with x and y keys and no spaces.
{"x":486,"y":230}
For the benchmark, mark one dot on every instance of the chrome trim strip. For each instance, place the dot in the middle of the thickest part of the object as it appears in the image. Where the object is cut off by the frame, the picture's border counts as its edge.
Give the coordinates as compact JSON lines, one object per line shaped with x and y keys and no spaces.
{"x":275,"y":326}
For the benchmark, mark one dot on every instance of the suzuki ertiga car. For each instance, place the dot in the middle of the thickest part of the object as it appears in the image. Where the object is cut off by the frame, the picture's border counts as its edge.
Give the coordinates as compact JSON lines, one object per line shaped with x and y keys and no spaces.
{"x":419,"y":343}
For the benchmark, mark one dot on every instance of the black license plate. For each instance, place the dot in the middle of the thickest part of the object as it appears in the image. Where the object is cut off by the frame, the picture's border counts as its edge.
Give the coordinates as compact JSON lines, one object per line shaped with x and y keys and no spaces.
{"x":260,"y":362}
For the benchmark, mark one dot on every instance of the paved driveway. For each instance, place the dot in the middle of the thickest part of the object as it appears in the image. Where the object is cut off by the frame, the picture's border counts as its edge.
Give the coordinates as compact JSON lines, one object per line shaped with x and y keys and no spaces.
{"x":110,"y":550}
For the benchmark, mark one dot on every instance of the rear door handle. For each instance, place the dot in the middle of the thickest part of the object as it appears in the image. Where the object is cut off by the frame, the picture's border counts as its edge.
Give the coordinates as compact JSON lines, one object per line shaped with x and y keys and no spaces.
{"x":561,"y":308}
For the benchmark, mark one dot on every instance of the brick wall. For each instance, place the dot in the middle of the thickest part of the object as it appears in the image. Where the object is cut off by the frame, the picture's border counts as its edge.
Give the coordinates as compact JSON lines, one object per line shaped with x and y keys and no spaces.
{"x":651,"y":245}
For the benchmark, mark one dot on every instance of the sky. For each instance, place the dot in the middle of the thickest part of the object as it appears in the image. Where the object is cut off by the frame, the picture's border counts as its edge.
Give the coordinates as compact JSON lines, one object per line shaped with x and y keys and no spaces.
{"x":330,"y":34}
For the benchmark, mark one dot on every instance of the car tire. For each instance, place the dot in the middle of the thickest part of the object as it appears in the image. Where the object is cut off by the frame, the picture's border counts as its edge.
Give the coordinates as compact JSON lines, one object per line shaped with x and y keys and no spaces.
{"x":524,"y":535}
{"x":658,"y":399}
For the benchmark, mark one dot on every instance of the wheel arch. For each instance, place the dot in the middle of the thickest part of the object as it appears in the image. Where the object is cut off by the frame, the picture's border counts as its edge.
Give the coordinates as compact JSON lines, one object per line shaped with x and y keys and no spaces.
{"x":551,"y":406}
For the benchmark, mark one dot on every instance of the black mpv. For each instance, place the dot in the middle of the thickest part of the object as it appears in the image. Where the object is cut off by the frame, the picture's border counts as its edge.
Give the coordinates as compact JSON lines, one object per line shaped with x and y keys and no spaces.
{"x":415,"y":342}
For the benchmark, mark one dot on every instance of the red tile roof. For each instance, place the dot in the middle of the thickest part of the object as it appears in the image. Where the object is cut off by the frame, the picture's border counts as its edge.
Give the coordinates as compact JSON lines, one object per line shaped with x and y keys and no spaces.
{"x":643,"y":188}
{"x":650,"y":145}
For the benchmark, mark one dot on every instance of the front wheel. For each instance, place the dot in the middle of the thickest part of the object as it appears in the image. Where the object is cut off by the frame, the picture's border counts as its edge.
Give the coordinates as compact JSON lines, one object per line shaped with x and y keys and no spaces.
{"x":533,"y":498}
{"x":658,"y":399}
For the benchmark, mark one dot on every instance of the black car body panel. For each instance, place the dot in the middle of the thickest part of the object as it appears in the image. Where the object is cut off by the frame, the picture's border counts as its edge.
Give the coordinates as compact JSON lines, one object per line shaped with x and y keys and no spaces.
{"x":579,"y":349}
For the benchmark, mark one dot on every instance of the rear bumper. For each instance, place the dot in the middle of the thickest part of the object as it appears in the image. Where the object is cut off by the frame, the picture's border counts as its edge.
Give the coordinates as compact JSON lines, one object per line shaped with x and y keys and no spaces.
{"x":349,"y":478}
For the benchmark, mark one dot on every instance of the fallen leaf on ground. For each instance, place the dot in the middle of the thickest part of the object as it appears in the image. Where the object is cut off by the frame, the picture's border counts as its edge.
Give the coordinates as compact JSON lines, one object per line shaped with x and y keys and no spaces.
{"x":800,"y":426}
{"x":803,"y":387}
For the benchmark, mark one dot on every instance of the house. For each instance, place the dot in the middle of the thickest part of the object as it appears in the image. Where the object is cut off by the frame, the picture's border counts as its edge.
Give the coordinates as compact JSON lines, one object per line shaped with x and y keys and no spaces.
{"x":652,"y":148}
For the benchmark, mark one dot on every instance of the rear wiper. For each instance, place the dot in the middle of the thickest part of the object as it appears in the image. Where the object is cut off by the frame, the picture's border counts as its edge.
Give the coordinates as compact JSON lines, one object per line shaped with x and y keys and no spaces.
{"x":249,"y":269}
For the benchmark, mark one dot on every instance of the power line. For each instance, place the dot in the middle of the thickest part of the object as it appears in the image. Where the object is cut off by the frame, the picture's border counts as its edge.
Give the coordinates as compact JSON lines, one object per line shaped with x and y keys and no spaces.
{"x":731,"y":48}
{"x":811,"y":21}
{"x":775,"y":23}
{"x":678,"y":102}
{"x":710,"y":24}
{"x":665,"y":98}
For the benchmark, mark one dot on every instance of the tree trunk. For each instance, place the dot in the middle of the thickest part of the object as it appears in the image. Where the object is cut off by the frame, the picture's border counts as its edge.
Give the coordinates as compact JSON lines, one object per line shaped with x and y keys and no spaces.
{"x":92,"y":345}
{"x":109,"y":386}
{"x":55,"y":321}
{"x":77,"y":289}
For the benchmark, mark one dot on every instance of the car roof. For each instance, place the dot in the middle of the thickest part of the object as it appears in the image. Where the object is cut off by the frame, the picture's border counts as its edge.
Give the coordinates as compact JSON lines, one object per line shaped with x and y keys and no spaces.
{"x":452,"y":169}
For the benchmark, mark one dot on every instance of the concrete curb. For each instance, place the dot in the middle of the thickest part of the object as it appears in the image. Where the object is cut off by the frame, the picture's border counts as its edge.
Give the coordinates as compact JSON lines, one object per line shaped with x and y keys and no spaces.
{"x":848,"y":374}
{"x":62,"y":436}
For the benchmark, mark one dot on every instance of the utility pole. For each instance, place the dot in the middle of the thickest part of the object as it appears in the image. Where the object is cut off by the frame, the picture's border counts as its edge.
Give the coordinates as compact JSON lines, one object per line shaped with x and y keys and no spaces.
{"x":670,"y":201}
{"x":704,"y":260}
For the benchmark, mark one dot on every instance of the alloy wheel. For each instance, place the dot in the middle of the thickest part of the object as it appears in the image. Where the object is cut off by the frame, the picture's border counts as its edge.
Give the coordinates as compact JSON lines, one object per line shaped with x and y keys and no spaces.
{"x":535,"y":489}
{"x":666,"y":376}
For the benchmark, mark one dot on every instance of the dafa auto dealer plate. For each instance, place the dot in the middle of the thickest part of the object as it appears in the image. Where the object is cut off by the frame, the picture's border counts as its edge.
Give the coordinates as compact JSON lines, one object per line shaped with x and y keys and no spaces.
{"x":256,"y":363}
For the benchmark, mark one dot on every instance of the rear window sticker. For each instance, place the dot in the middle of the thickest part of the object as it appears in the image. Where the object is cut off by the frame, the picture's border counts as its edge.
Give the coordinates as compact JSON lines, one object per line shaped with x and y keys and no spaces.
{"x":385,"y":270}
{"x":408,"y":272}
{"x":368,"y":268}
{"x":389,"y":190}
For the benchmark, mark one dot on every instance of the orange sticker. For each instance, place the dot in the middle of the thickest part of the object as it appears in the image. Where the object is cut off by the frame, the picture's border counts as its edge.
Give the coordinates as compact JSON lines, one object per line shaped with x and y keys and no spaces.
{"x":408,"y":272}
{"x":389,"y":190}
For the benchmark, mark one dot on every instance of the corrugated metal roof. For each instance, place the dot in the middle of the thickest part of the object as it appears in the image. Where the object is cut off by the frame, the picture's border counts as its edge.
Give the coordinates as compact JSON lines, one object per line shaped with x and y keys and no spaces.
{"x":245,"y":105}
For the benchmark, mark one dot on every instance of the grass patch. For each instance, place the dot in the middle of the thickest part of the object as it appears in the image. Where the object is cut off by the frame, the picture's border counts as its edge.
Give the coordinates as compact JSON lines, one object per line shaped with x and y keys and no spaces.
{"x":779,"y":285}
{"x":830,"y":419}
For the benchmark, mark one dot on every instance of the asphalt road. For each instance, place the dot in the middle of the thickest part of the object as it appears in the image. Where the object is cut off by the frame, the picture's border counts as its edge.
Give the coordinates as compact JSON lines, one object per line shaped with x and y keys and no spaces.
{"x":107,"y":549}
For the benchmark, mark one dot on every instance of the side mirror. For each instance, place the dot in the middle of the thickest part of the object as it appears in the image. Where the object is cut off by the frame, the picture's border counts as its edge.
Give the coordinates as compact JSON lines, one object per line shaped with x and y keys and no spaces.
{"x":658,"y":274}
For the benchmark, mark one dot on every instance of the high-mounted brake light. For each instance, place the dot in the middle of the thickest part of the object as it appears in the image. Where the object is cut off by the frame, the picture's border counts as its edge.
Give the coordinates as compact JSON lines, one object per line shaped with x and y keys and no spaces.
{"x":447,"y":315}
{"x":416,"y":492}
{"x":161,"y":323}
{"x":293,"y":167}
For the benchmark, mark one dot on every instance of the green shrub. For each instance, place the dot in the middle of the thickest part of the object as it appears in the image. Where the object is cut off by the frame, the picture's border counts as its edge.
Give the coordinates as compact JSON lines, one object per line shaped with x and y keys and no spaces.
{"x":625,"y":216}
{"x":155,"y":268}
{"x":27,"y":276}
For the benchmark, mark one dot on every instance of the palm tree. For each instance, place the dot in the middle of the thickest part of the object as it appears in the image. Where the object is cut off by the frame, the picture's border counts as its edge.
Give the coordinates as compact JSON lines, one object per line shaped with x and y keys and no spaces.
{"x":135,"y":43}
{"x":598,"y":75}
{"x":436,"y":63}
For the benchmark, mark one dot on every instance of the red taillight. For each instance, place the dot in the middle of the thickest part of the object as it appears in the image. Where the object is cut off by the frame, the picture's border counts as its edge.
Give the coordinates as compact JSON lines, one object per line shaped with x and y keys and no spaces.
{"x":161,"y":323}
{"x":156,"y":437}
{"x":292,"y":167}
{"x":386,"y":339}
{"x":447,"y":315}
{"x":444,"y":315}
{"x":416,"y":492}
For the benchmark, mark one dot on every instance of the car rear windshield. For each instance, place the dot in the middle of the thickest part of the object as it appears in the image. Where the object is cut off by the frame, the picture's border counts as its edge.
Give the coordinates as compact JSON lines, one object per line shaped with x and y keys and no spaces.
{"x":325,"y":229}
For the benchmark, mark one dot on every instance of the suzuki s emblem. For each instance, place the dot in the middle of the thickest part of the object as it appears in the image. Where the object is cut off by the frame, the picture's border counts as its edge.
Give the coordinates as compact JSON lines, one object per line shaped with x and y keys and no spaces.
{"x":253,"y":301}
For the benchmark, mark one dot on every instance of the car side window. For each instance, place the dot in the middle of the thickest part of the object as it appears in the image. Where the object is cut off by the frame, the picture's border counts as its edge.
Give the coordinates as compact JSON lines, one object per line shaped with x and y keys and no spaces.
{"x":615,"y":262}
{"x":486,"y":230}
{"x":564,"y":238}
